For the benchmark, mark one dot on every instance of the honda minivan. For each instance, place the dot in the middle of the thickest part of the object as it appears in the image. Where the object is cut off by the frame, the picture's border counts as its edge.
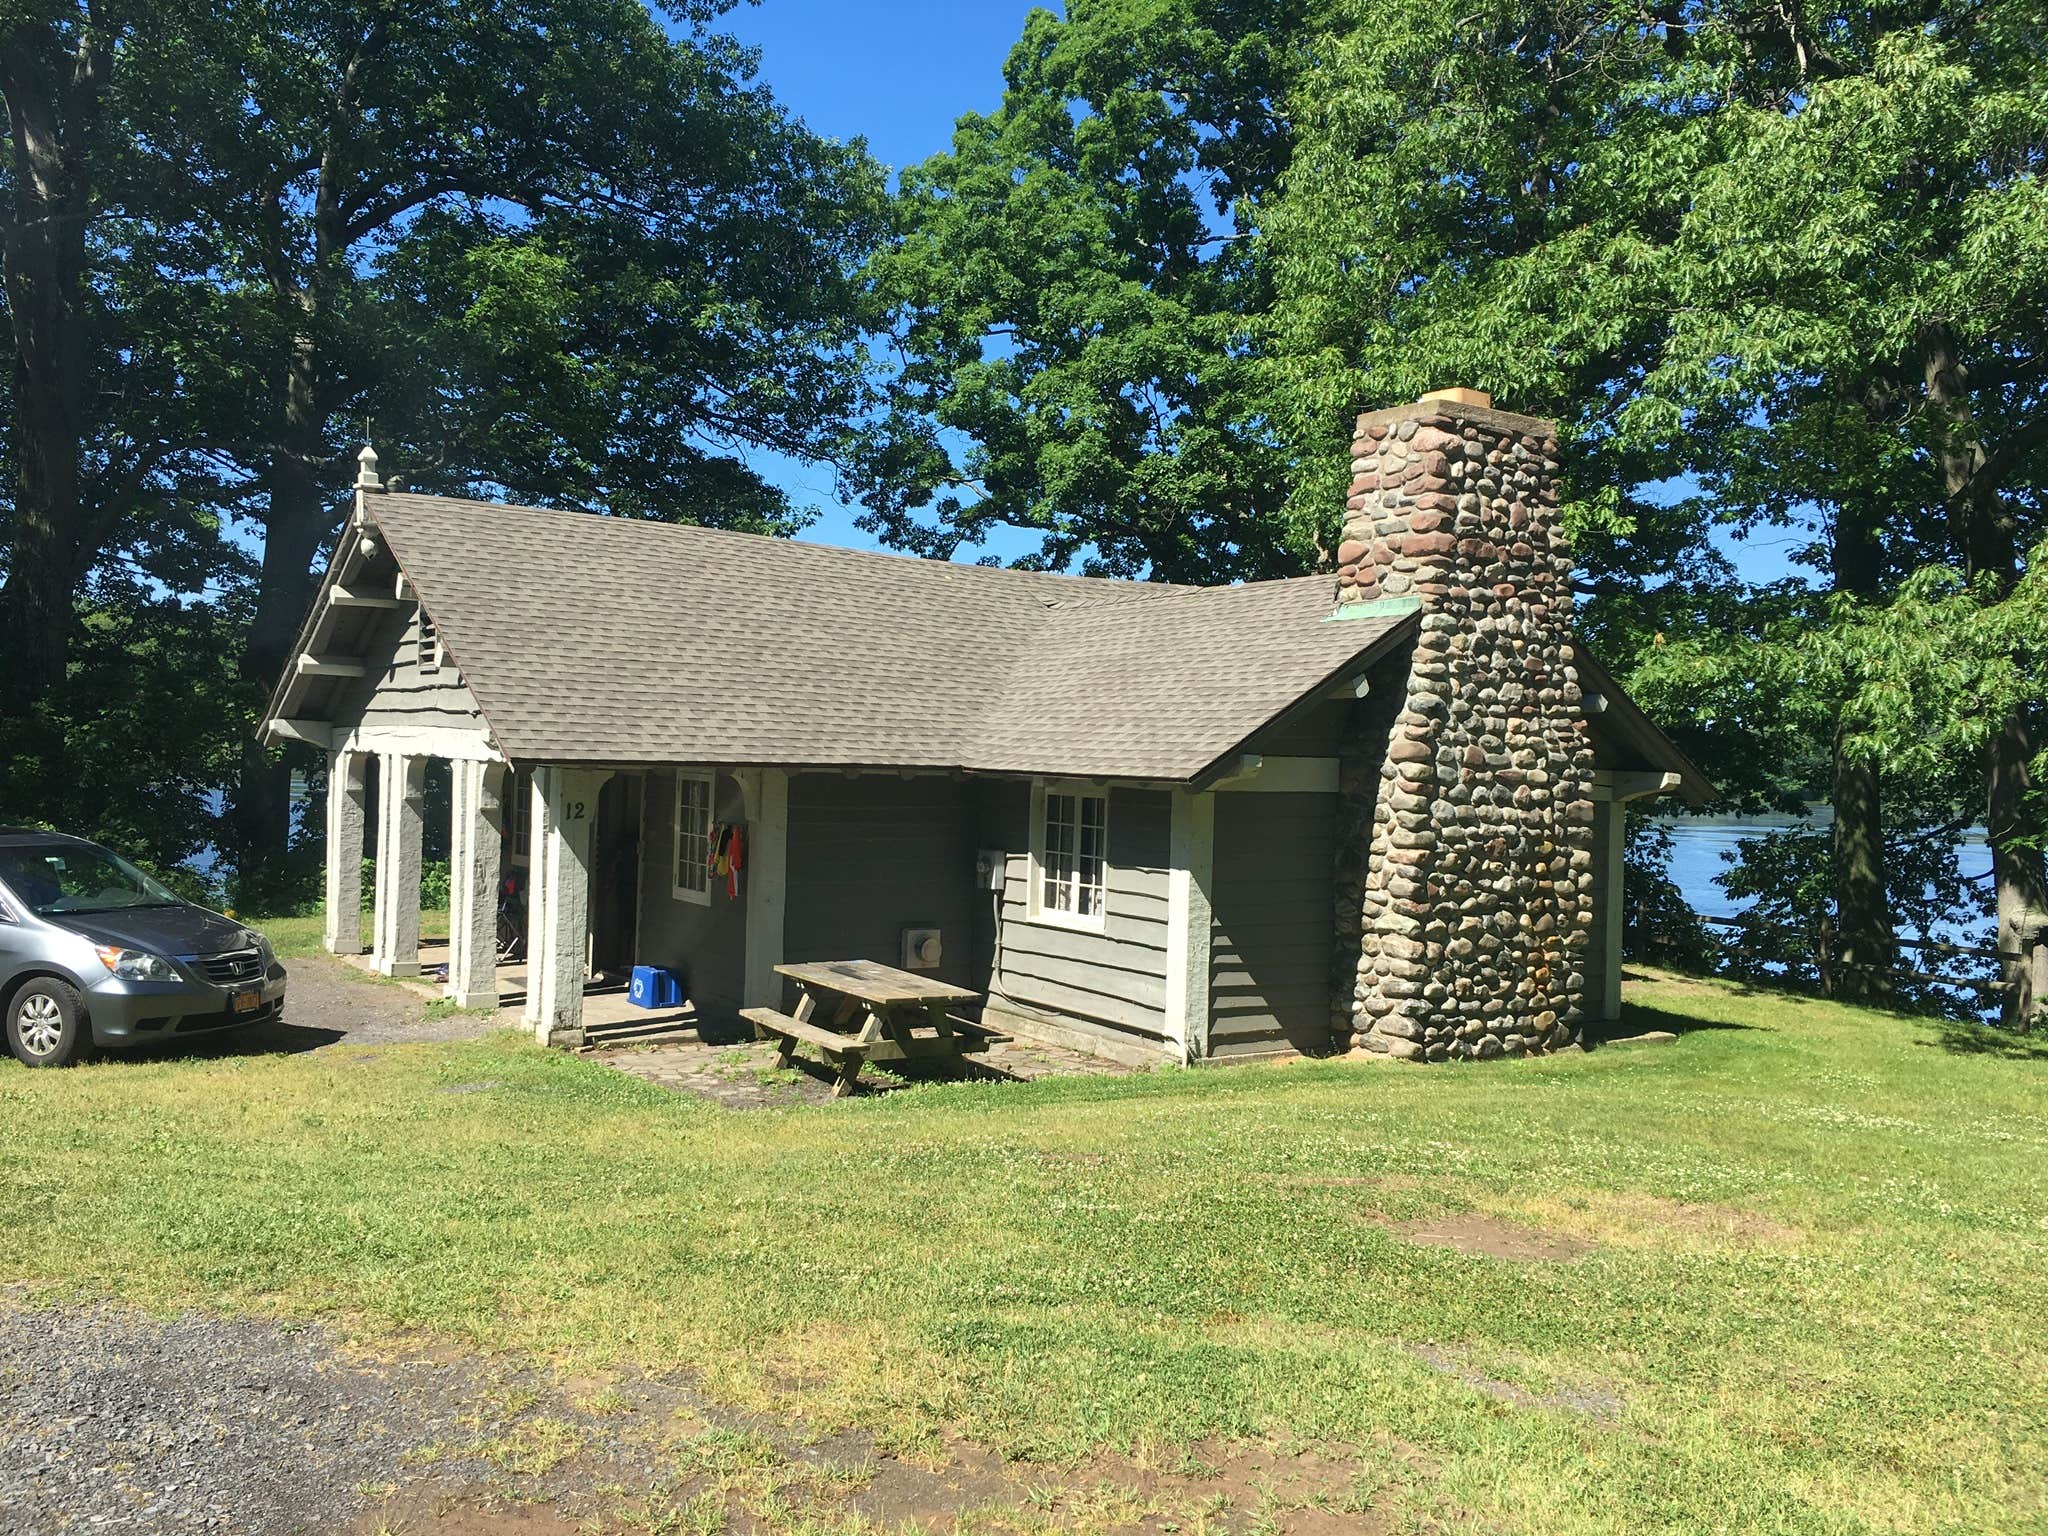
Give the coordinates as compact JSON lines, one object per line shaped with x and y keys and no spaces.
{"x":94,"y":954}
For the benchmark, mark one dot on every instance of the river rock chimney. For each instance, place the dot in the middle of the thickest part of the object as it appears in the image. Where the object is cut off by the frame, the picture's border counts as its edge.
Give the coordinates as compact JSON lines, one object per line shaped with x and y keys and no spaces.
{"x":1465,"y":879}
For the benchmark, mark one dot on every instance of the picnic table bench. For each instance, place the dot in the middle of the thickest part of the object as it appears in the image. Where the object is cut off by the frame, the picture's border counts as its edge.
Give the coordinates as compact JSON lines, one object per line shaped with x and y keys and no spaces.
{"x":869,"y":1012}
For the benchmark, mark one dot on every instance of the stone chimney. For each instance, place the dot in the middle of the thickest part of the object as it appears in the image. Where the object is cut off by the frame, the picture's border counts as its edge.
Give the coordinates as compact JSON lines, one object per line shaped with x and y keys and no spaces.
{"x":1465,"y":894}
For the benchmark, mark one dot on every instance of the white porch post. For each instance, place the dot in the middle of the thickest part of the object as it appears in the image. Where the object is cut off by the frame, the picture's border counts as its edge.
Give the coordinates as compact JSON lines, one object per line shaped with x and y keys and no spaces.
{"x":766,"y":877}
{"x":540,"y":829}
{"x":458,"y":860}
{"x":401,"y":786}
{"x":478,"y":830}
{"x":1191,"y":851}
{"x":555,"y":991}
{"x":345,"y":852}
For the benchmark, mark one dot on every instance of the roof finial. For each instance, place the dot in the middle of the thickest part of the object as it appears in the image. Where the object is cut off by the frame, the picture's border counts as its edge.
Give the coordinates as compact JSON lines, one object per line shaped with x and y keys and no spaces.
{"x":366,"y":470}
{"x":367,"y":483}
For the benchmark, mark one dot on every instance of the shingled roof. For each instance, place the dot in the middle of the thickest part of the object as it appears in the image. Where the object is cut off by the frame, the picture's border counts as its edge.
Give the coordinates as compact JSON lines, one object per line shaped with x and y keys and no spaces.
{"x":609,"y":641}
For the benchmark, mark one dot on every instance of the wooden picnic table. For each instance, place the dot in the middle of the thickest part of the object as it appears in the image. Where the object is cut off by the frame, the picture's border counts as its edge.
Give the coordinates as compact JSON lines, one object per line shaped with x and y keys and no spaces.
{"x":857,"y":1011}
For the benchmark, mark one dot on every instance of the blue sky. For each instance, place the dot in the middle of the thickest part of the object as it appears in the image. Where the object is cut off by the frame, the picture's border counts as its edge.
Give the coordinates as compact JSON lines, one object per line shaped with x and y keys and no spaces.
{"x":899,"y":72}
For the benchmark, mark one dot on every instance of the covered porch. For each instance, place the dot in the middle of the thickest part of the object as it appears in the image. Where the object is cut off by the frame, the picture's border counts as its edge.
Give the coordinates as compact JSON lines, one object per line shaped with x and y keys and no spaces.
{"x":569,"y":974}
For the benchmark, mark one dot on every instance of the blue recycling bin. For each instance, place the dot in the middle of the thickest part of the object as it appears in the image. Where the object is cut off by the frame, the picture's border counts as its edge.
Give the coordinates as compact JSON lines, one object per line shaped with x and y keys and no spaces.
{"x":655,"y":986}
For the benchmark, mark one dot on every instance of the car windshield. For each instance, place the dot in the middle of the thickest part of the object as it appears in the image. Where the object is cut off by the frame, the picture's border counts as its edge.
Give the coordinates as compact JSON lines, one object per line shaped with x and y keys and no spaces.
{"x":54,"y":878}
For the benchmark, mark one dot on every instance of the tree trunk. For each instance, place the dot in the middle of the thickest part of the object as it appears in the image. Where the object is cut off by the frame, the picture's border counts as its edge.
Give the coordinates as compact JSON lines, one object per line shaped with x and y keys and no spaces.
{"x":53,"y":100}
{"x":2016,"y":872}
{"x":295,"y":526}
{"x":1985,"y":530}
{"x":36,"y":603}
{"x":305,"y":284}
{"x":1866,"y":947}
{"x":1868,"y":950}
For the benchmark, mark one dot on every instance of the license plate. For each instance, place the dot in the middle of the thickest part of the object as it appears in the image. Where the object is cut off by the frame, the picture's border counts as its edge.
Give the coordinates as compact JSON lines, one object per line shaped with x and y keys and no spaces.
{"x":248,"y":1002}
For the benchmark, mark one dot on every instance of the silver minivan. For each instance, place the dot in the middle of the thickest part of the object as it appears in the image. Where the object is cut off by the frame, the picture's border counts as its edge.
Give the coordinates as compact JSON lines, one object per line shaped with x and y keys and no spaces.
{"x":95,"y":954}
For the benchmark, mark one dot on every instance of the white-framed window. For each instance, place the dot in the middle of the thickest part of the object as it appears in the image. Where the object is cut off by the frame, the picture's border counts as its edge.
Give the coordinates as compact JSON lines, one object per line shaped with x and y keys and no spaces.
{"x":692,"y":870}
{"x":1069,"y":853}
{"x":430,"y":643}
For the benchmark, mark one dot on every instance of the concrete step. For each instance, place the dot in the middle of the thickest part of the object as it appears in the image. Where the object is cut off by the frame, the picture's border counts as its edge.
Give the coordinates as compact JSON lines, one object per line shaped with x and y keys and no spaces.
{"x":657,"y":1031}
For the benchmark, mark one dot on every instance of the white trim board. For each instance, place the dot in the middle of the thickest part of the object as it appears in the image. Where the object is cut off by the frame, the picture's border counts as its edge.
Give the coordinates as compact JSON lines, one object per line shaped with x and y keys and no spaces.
{"x":1615,"y":784}
{"x":1189,"y":921}
{"x":422,"y":741}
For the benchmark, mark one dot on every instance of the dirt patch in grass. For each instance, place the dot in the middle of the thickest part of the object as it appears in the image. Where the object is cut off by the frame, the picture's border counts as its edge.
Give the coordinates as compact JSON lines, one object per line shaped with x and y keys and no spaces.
{"x":448,"y":1512}
{"x":762,"y":1484}
{"x":1593,"y":1402}
{"x":746,"y":1074}
{"x":901,"y":1493}
{"x":1491,"y":1237}
{"x":1635,"y":1220}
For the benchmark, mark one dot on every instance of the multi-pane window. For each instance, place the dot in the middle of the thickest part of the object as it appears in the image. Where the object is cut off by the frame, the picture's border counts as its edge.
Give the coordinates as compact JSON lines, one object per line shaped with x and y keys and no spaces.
{"x":693,"y":837}
{"x":430,"y":644}
{"x":1073,"y":848}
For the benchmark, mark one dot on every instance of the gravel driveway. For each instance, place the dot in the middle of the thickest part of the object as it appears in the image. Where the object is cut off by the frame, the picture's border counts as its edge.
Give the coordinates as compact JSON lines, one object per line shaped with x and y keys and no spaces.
{"x":117,"y":1423}
{"x":330,"y":1003}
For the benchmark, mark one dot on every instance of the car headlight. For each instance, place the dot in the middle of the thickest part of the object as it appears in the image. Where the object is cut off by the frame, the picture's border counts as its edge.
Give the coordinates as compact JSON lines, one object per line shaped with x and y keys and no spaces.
{"x":136,"y":964}
{"x":263,"y":950}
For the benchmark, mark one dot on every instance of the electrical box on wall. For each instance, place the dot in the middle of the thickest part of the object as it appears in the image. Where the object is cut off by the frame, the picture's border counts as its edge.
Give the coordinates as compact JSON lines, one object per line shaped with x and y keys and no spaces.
{"x":922,"y":949}
{"x":988,"y":869}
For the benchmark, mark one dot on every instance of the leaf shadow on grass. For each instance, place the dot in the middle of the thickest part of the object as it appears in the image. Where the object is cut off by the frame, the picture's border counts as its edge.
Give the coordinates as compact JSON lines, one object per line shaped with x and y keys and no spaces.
{"x":1636,"y":1018}
{"x":1957,"y":1036}
{"x":1961,"y":1038}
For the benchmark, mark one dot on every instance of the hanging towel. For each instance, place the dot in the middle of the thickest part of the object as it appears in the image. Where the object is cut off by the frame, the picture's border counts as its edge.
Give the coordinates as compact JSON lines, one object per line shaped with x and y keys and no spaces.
{"x":735,"y":857}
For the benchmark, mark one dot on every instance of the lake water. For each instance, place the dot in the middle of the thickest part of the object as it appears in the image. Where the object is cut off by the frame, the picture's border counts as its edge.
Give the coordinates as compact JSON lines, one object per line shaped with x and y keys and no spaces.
{"x":1699,"y":843}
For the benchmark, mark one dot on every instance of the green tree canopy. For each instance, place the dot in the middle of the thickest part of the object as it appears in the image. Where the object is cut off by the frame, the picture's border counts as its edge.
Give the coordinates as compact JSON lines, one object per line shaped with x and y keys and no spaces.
{"x":1797,"y":253}
{"x":565,"y":250}
{"x":1068,"y":297}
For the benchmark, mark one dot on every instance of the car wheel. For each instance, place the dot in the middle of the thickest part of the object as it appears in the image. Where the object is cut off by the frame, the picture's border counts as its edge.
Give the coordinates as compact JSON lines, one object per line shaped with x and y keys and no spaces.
{"x":46,"y":1025}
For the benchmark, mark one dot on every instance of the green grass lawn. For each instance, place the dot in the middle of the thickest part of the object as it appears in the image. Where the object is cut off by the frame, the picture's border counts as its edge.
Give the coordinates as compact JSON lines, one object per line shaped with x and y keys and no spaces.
{"x":296,"y":938}
{"x":1814,"y":1269}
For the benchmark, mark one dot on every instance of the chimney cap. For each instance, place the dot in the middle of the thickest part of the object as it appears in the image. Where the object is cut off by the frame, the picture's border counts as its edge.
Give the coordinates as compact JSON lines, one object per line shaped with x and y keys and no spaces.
{"x":1461,"y":396}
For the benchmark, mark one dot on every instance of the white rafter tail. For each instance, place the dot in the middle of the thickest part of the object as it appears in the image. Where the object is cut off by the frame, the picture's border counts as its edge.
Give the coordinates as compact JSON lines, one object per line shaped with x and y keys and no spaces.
{"x":362,"y":597}
{"x":315,"y":733}
{"x":330,"y":666}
